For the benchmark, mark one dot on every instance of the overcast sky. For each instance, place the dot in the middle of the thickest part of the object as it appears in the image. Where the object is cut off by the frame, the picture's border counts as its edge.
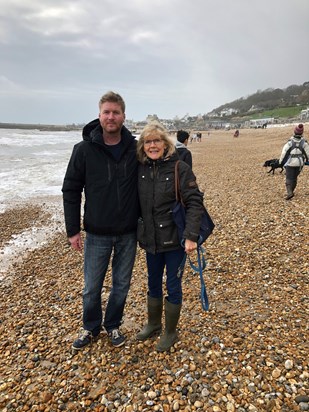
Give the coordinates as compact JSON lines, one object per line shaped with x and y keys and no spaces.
{"x":165,"y":57}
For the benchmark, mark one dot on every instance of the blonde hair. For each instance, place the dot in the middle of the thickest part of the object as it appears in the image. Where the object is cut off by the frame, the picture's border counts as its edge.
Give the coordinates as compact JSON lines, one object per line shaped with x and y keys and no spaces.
{"x":154,"y":130}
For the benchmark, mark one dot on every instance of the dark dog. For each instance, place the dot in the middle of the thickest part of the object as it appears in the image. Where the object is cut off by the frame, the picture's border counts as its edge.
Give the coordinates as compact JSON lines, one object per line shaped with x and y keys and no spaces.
{"x":273,"y":164}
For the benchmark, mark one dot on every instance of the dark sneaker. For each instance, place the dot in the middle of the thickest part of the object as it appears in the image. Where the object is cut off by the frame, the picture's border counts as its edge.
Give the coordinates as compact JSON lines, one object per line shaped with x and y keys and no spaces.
{"x":85,"y":338}
{"x":116,"y":338}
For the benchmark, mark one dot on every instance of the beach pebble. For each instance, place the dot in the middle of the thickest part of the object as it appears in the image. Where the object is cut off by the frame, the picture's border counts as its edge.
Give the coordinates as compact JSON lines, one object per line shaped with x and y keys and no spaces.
{"x":276,"y":373}
{"x":288,"y":364}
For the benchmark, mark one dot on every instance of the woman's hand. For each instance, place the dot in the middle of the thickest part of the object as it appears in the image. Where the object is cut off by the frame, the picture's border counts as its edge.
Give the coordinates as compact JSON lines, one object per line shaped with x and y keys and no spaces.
{"x":190,"y":246}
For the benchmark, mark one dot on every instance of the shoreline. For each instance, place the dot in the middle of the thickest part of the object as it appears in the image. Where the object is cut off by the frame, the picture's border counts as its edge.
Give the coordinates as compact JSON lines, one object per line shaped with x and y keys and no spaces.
{"x":23,"y":228}
{"x":247,"y":353}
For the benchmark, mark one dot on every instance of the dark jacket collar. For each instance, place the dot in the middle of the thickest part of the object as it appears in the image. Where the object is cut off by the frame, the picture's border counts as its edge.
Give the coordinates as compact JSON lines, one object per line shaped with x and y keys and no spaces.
{"x":93,"y":132}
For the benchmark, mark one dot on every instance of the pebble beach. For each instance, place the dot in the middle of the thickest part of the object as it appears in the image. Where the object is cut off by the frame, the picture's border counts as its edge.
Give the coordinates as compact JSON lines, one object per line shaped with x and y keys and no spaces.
{"x":248,"y":353}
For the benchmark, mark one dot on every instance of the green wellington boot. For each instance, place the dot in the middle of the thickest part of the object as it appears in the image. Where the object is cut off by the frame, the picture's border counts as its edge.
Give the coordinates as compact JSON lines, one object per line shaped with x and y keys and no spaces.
{"x":172,"y":314}
{"x":154,"y":325}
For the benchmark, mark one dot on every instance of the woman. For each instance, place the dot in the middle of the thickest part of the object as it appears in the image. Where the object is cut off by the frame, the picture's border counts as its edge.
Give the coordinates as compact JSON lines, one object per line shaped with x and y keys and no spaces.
{"x":157,"y":232}
{"x":293,"y":157}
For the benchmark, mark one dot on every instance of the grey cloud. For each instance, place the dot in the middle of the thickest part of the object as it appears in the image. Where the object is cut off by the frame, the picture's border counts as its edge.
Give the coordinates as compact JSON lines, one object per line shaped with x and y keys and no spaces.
{"x":169,"y":57}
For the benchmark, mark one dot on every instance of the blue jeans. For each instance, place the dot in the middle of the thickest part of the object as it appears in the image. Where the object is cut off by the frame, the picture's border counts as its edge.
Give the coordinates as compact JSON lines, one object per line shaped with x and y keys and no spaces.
{"x":155,"y":265}
{"x":98,"y":252}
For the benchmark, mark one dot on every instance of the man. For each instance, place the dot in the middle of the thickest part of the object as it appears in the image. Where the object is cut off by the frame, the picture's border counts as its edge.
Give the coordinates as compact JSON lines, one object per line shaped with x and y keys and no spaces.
{"x":104,"y":166}
{"x":181,"y":146}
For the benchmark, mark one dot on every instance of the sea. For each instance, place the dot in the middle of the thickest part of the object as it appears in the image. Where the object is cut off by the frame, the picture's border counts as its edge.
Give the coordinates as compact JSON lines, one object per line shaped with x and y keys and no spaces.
{"x":32,"y":168}
{"x":33,"y":163}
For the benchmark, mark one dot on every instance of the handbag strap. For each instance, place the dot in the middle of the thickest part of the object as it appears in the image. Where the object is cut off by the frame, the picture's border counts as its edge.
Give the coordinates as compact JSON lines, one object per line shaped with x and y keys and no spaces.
{"x":177,"y":184}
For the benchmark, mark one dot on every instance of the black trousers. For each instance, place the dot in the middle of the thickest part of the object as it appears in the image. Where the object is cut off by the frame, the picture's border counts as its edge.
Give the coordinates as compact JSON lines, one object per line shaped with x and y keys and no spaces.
{"x":291,"y":175}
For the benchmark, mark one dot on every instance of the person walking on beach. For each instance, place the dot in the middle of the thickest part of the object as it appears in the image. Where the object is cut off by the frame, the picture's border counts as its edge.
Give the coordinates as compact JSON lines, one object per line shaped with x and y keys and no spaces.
{"x":157,"y":232}
{"x":104,"y":167}
{"x":181,"y":146}
{"x":293,"y":156}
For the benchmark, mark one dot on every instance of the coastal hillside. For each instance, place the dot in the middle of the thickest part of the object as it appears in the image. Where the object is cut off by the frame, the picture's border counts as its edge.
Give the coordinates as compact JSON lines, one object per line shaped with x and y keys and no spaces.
{"x":269,"y":99}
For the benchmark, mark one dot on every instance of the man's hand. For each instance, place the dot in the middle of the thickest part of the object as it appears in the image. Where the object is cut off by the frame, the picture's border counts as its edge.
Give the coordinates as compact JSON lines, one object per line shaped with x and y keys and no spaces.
{"x":76,"y":242}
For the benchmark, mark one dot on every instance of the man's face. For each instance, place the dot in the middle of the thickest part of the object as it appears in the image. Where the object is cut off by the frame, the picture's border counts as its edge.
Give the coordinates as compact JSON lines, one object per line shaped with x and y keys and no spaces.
{"x":111,"y":117}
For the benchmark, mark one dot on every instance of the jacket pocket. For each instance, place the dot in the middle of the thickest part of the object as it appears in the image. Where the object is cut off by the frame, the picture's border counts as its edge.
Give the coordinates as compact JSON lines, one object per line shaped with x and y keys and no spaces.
{"x":166,"y":234}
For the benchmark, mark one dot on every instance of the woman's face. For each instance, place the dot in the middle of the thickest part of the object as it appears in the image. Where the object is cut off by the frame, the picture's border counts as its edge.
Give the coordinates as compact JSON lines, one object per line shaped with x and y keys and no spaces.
{"x":154,"y":146}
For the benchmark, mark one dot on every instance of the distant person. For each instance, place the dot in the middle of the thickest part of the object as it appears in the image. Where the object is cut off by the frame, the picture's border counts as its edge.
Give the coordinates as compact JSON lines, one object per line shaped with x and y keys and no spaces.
{"x":236,"y":134}
{"x":293,"y":156}
{"x":181,"y":146}
{"x":104,"y":167}
{"x":199,"y":136}
{"x":193,"y":137}
{"x":157,"y":232}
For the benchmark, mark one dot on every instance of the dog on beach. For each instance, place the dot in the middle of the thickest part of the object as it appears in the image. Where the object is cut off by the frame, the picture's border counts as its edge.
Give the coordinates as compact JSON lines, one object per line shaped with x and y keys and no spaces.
{"x":273,"y":164}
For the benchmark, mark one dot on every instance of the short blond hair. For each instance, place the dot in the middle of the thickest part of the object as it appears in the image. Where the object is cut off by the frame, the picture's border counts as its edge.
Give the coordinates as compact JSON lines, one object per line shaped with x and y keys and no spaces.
{"x":154,"y":130}
{"x":113,"y":98}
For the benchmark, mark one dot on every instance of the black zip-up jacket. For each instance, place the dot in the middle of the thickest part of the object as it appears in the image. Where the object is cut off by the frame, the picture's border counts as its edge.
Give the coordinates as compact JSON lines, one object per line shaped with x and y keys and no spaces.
{"x":184,"y":153}
{"x":157,"y":231}
{"x":111,"y":200}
